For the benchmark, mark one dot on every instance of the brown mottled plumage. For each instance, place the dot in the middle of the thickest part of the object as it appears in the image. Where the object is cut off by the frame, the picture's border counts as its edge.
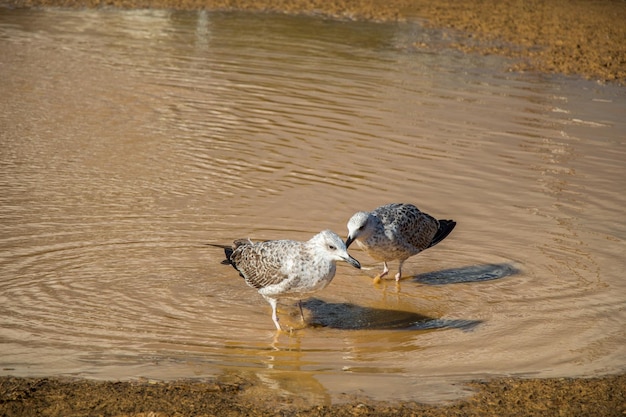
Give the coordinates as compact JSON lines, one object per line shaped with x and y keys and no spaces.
{"x":288,"y":268}
{"x":396,"y":231}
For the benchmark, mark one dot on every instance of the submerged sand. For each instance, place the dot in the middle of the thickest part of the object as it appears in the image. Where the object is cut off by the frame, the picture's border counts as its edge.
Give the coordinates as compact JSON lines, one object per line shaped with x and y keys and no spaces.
{"x":575,"y":37}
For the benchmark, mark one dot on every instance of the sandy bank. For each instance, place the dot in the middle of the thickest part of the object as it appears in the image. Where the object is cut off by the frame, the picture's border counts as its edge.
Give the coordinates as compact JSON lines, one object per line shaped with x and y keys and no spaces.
{"x":579,"y":37}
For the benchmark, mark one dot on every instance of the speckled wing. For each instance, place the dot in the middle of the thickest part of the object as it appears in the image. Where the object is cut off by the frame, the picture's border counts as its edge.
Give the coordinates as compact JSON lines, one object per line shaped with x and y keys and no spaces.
{"x":412,"y":228}
{"x":260,"y":263}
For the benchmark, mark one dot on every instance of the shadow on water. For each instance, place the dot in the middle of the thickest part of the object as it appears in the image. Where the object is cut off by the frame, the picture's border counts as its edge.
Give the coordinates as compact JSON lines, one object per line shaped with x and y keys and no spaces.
{"x":348,"y":316}
{"x":473,"y":273}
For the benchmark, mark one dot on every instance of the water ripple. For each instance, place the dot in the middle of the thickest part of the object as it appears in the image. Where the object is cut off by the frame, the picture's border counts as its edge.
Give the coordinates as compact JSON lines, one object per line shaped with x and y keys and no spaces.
{"x":132,"y":138}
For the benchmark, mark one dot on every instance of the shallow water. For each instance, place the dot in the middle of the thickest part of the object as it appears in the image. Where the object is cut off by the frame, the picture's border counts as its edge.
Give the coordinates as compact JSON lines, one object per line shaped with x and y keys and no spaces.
{"x":129,"y":139}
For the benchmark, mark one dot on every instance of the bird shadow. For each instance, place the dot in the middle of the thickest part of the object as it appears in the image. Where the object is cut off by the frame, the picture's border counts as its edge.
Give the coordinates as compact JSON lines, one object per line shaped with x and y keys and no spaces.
{"x":348,"y":316}
{"x":471,"y":273}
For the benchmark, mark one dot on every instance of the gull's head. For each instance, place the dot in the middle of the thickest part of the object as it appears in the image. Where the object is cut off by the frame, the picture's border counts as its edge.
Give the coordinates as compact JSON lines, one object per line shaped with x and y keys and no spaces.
{"x":332,"y":246}
{"x":360,"y":226}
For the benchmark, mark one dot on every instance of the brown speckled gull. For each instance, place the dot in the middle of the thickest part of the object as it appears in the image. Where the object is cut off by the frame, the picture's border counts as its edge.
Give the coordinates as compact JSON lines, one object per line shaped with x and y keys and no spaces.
{"x":396,"y":231}
{"x":287,"y":268}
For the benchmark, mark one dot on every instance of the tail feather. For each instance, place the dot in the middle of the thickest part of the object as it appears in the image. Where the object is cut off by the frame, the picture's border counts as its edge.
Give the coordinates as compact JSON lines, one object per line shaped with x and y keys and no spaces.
{"x":228,"y":250}
{"x":445,"y":227}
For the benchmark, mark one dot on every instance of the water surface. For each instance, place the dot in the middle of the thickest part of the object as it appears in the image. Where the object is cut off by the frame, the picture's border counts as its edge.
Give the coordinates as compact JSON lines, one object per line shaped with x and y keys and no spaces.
{"x":129,"y":139}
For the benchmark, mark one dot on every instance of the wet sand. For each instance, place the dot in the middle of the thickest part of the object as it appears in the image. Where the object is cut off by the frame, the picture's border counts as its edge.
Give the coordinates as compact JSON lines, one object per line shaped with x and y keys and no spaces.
{"x":502,"y":397}
{"x":574,"y":37}
{"x":580,"y":38}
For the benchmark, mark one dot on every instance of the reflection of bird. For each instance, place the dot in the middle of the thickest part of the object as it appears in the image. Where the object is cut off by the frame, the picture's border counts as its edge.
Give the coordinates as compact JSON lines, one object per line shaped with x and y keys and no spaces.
{"x":287,"y":268}
{"x":396,"y":231}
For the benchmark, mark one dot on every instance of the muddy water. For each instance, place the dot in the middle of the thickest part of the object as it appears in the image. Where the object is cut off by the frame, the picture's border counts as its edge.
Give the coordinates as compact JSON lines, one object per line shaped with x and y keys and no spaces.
{"x":131,"y":139}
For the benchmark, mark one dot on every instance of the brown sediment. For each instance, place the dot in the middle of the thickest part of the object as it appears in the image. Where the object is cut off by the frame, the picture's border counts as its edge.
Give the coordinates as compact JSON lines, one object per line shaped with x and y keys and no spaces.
{"x":581,"y":37}
{"x":578,"y":37}
{"x":500,"y":397}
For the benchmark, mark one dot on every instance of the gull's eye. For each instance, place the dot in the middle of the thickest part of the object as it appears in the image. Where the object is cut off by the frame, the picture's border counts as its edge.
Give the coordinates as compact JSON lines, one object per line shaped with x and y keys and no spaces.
{"x":332,"y":247}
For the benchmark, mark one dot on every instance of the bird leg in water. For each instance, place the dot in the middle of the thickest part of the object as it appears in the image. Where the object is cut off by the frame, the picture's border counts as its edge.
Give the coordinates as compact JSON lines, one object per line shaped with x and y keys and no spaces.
{"x":382,"y":274}
{"x":274,"y":304}
{"x":399,"y":274}
{"x":301,"y":313}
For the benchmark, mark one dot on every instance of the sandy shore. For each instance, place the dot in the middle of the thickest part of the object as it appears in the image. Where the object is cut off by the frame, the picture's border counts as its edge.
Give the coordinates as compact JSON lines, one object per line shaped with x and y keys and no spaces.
{"x":502,"y":397}
{"x":586,"y":38}
{"x":578,"y":37}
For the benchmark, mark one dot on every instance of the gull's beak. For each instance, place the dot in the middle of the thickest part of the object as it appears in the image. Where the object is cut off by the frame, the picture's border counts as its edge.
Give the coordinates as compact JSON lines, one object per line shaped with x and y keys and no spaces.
{"x":353,"y":262}
{"x":349,"y":241}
